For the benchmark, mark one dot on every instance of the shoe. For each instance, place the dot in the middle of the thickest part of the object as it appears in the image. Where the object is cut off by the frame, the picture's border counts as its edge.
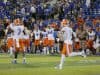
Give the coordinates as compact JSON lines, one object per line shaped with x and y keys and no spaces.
{"x":24,"y":61}
{"x":14,"y":61}
{"x":58,"y":67}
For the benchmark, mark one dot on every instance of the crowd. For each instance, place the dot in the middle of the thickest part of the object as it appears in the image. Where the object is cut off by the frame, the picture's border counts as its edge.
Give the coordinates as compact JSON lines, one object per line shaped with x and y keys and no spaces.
{"x":42,"y":13}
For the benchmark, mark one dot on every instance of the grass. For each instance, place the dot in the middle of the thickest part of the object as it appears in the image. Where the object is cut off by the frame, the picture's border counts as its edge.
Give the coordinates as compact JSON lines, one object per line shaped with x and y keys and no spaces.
{"x":44,"y":65}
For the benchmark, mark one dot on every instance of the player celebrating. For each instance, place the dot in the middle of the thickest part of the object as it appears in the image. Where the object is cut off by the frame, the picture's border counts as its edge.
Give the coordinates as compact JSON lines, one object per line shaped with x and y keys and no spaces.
{"x":37,"y":34}
{"x":90,"y":40}
{"x":18,"y":42}
{"x":67,"y":46}
{"x":50,"y":31}
{"x":26,"y":37}
{"x":45,"y":41}
{"x":10,"y":41}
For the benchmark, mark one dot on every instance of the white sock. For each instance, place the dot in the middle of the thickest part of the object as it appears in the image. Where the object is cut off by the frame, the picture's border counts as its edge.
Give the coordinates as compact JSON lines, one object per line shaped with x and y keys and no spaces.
{"x":62,"y":60}
{"x":17,"y":43}
{"x":58,"y":49}
{"x":44,"y":50}
{"x":25,"y":49}
{"x":47,"y":50}
{"x":24,"y":59}
{"x":52,"y":49}
{"x":11,"y":51}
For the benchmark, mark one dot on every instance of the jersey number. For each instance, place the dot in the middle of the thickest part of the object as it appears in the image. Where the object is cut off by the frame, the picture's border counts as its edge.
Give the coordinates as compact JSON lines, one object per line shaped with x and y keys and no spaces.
{"x":19,"y":31}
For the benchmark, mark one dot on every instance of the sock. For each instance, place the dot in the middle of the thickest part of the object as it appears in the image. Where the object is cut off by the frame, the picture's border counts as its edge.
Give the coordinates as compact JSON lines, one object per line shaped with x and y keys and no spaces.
{"x":52,"y":51}
{"x":57,"y":48}
{"x":47,"y":50}
{"x":17,"y":43}
{"x":29,"y":49}
{"x":25,"y":49}
{"x":11,"y":51}
{"x":44,"y":50}
{"x":16,"y":55}
{"x":62,"y":60}
{"x":24,"y":59}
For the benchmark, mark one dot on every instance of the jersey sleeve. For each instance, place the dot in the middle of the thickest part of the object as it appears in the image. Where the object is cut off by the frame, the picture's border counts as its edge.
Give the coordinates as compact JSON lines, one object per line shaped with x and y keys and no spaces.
{"x":63,"y":29}
{"x":74,"y":34}
{"x":11,"y":26}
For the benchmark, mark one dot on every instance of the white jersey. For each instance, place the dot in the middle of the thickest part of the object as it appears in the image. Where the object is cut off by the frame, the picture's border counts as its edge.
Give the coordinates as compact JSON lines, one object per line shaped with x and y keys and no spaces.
{"x":37,"y":34}
{"x":11,"y":25}
{"x":9,"y":35}
{"x":91,"y":35}
{"x":50,"y":34}
{"x":45,"y":34}
{"x":18,"y":31}
{"x":26,"y":36}
{"x":67,"y":34}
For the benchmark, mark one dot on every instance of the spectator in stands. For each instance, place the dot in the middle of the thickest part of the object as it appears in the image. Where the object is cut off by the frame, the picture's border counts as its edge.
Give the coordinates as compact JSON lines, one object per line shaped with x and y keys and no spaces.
{"x":33,"y":11}
{"x":2,"y":33}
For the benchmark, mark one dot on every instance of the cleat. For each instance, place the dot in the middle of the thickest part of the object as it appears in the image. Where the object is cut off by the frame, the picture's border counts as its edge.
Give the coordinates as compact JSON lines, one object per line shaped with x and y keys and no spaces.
{"x":24,"y":61}
{"x":58,"y":67}
{"x":14,"y":61}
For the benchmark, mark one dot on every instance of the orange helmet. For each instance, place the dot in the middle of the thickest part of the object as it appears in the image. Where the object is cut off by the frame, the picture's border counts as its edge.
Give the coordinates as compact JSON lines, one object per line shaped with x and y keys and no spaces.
{"x":64,"y":22}
{"x":17,"y":21}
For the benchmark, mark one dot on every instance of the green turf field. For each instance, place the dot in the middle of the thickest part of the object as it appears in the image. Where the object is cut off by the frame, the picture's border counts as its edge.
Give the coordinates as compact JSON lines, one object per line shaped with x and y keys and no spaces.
{"x":44,"y":65}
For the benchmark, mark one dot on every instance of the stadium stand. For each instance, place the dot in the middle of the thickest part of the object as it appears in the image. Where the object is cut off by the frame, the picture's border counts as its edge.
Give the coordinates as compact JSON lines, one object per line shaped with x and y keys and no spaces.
{"x":45,"y":12}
